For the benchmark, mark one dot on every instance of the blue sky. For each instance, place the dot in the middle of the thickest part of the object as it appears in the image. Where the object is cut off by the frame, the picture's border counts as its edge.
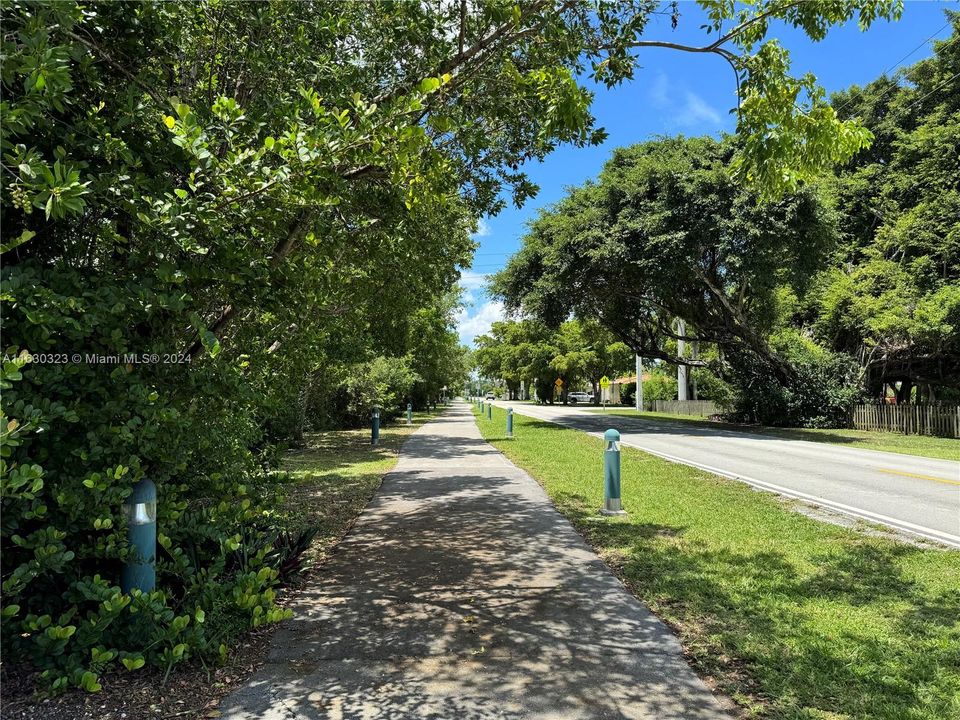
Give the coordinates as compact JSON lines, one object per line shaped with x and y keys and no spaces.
{"x":682,"y":93}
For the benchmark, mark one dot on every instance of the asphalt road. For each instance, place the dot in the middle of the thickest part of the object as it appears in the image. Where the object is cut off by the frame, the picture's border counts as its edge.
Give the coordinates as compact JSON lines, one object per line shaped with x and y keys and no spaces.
{"x":913,"y":494}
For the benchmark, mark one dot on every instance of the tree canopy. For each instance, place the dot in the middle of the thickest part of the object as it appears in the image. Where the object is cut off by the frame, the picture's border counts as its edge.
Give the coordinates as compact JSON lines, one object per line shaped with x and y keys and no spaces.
{"x":576,"y":352}
{"x":892,"y":295}
{"x":666,"y":232}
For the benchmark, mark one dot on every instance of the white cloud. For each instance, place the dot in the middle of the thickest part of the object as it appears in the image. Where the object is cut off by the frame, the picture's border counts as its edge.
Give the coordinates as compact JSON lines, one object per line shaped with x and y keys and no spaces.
{"x":483,"y":229}
{"x":472,"y":280}
{"x":473,"y":287}
{"x":470,"y":324}
{"x":697,"y":111}
{"x":692,"y":111}
{"x":659,"y":91}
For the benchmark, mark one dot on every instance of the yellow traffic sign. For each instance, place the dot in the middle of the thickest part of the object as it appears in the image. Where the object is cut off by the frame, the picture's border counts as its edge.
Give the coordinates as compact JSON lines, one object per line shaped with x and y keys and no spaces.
{"x":558,"y":382}
{"x":604,"y":382}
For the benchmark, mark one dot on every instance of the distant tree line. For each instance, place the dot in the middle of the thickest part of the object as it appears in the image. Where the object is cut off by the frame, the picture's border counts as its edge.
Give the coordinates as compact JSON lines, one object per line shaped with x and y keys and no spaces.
{"x":578,"y":353}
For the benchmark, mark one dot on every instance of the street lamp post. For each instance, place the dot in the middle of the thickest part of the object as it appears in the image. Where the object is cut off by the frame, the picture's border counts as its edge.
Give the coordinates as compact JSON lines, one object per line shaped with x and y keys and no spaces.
{"x":140,"y":507}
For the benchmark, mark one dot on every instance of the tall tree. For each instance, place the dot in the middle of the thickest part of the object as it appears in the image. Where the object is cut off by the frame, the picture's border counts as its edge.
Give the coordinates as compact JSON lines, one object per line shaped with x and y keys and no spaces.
{"x":893,"y":296}
{"x":665,"y":232}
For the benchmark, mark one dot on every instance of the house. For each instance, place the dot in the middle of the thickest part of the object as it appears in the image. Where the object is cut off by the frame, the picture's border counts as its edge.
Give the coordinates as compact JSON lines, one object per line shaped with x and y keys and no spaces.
{"x":611,"y":394}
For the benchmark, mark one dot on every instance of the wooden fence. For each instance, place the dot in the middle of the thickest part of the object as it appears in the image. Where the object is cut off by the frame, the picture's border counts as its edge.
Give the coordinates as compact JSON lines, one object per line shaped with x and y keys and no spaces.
{"x":942,"y":420}
{"x":700,"y":408}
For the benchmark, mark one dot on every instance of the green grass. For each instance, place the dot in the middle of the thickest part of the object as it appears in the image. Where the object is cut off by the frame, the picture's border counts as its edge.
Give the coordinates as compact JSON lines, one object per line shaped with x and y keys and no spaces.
{"x":792,"y":617}
{"x":334,"y":476}
{"x":923,"y":445}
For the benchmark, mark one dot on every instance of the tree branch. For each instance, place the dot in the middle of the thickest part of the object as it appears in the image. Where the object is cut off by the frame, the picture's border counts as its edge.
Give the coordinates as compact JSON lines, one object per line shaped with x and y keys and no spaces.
{"x":294,"y":235}
{"x":104,"y":55}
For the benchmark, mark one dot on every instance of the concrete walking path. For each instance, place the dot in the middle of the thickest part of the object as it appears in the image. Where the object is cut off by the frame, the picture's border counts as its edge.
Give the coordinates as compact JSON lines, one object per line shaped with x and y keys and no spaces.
{"x":461,"y":593}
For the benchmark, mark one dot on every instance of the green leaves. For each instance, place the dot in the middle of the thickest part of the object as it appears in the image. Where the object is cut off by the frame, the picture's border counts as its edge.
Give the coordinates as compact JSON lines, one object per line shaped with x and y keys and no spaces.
{"x":430,"y":85}
{"x":788,"y":142}
{"x":90,"y":682}
{"x":134,"y":662}
{"x":210,"y":343}
{"x":664,"y":224}
{"x":25,"y":236}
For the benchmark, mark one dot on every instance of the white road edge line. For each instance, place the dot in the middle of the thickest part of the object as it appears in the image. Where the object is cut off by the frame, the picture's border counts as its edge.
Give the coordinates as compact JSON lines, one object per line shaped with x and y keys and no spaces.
{"x":929,"y":533}
{"x":947,"y":538}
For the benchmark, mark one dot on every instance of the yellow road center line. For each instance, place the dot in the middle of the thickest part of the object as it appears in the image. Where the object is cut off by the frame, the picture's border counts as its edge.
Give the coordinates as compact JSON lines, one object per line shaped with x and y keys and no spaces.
{"x":918,"y":476}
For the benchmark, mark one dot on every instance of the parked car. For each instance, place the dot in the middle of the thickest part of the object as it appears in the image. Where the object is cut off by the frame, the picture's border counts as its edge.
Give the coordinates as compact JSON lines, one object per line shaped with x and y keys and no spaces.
{"x":579,"y":397}
{"x":490,"y":396}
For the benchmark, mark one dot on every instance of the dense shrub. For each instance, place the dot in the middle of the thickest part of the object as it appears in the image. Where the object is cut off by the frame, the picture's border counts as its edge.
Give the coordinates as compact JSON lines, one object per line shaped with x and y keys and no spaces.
{"x":661,"y":385}
{"x":820,"y":393}
{"x":711,"y":387}
{"x":78,"y":433}
{"x":157,"y":207}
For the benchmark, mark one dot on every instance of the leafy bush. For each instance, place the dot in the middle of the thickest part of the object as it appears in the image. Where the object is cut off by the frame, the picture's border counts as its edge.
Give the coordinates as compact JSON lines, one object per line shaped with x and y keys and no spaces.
{"x":64,"y":532}
{"x":712,"y":387}
{"x":345,"y":395}
{"x":819,"y":394}
{"x":661,"y":385}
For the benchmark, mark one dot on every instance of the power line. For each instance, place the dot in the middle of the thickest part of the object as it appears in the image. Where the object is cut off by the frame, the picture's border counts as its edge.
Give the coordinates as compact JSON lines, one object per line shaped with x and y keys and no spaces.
{"x":898,"y":62}
{"x":945,"y":82}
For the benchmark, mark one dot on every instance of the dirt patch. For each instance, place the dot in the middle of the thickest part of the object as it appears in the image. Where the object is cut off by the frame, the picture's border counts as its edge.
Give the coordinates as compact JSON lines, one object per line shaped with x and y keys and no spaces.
{"x":190,"y":693}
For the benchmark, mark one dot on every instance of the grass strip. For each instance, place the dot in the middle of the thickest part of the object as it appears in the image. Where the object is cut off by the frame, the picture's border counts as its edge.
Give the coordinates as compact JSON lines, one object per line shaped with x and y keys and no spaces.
{"x":791,"y":617}
{"x":330,"y":481}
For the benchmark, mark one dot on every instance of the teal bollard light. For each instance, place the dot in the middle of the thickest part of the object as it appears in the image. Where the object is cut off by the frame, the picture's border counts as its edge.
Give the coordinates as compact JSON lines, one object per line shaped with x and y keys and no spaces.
{"x":509,"y":422}
{"x":489,"y":411}
{"x":611,"y":474}
{"x":375,"y":426}
{"x":409,"y":414}
{"x":140,"y":508}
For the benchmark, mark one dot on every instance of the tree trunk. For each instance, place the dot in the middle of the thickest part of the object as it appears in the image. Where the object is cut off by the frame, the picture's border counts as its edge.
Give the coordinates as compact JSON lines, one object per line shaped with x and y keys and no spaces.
{"x":903,"y":392}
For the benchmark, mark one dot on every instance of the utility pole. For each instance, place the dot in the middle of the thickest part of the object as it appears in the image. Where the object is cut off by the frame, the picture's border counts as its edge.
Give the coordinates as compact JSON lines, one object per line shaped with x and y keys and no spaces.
{"x":681,"y":369}
{"x":638,"y":394}
{"x":695,"y":355}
